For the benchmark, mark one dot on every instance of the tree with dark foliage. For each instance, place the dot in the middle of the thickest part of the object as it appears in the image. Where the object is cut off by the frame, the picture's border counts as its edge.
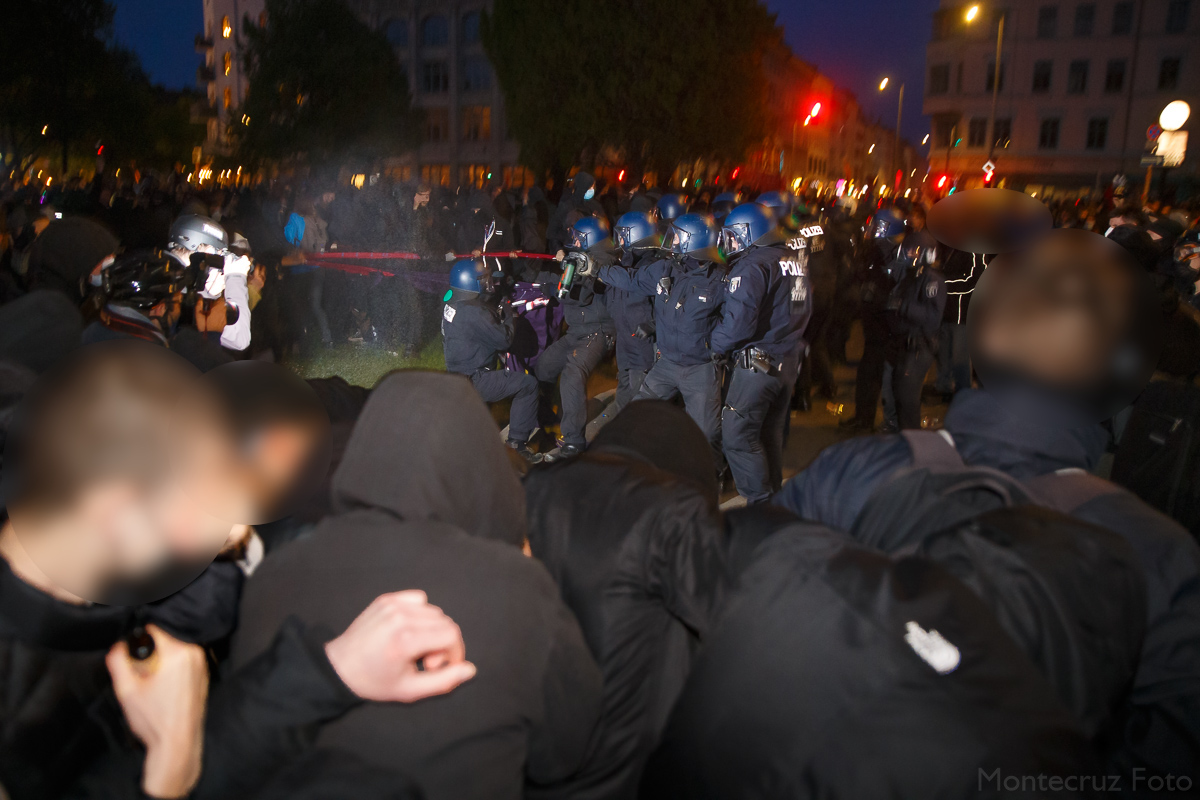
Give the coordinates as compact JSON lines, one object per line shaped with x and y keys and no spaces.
{"x":663,"y":80}
{"x":324,"y":87}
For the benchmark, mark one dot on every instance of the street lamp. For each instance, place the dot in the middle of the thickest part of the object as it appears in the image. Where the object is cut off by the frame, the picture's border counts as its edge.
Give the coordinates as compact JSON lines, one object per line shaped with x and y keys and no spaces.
{"x":899,"y":114}
{"x":972,"y":14}
{"x":1174,"y":115}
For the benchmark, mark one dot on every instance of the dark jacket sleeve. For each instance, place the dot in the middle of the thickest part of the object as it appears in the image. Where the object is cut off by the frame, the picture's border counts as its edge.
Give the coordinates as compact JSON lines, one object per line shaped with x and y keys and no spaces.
{"x":268,"y":712}
{"x":640,"y":280}
{"x":836,"y":486}
{"x":686,"y":566}
{"x":924,"y":311}
{"x":571,"y":696}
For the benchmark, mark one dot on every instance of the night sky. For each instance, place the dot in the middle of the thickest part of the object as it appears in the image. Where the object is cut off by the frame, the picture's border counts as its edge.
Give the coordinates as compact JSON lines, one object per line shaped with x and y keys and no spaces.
{"x":855,"y":42}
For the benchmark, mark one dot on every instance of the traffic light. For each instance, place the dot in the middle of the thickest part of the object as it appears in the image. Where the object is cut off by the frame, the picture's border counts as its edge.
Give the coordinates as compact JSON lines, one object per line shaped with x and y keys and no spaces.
{"x":941,"y":181}
{"x":620,"y":176}
{"x":989,"y":173}
{"x":816,"y":109}
{"x":736,"y":171}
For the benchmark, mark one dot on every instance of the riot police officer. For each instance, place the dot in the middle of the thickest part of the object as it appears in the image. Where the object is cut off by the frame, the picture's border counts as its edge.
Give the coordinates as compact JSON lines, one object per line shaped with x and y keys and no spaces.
{"x":877,"y":263}
{"x":670,"y":207}
{"x":632,"y":312}
{"x":688,"y":289}
{"x":914,"y":314}
{"x":589,"y":335}
{"x":475,"y":331}
{"x":768,"y":300}
{"x":722,"y":204}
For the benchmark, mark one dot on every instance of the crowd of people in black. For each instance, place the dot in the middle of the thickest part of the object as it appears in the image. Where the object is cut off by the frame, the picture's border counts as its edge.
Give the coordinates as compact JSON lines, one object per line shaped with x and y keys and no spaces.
{"x":220,"y":581}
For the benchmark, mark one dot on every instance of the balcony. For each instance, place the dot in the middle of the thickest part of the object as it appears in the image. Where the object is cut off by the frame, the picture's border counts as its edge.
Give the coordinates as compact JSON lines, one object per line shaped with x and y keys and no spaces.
{"x":203,"y":44}
{"x":205,"y":74}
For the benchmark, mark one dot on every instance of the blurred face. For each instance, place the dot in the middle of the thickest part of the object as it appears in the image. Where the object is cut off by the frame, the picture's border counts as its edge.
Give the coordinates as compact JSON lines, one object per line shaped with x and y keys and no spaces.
{"x":1056,"y":315}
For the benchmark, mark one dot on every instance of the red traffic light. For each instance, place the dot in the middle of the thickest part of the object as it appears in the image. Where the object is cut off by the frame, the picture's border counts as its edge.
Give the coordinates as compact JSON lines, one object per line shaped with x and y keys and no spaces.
{"x":620,"y":176}
{"x":816,"y":109}
{"x":941,"y":184}
{"x":736,"y":170}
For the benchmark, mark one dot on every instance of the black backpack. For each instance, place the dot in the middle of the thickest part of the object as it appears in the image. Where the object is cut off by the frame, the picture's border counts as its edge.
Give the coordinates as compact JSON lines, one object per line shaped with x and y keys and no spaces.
{"x":1158,"y":458}
{"x":1072,"y":595}
{"x":939,"y":491}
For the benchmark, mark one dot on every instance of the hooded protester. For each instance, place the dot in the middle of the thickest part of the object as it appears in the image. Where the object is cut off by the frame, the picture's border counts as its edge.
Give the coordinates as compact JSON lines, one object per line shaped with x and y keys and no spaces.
{"x":836,"y":671}
{"x":631,"y":534}
{"x":66,"y":252}
{"x":451,"y":522}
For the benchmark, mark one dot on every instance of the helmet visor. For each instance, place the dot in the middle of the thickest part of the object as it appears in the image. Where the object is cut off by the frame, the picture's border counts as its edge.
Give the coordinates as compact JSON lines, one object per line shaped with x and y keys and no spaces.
{"x":735,"y":238}
{"x":677,"y":240}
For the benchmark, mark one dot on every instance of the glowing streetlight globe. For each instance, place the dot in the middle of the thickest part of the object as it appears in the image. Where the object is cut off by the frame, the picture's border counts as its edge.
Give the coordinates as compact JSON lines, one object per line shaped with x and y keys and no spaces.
{"x":1174,"y":115}
{"x":972,"y":13}
{"x":883,"y":84}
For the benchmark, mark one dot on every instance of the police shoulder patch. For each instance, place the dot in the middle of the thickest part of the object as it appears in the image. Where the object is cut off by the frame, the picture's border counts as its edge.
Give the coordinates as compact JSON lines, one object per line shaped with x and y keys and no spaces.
{"x":448,"y":313}
{"x":931,"y":290}
{"x":734,"y":283}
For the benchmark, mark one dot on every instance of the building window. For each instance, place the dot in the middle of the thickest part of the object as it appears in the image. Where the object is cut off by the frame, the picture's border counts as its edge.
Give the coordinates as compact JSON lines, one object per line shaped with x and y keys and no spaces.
{"x":228,"y":97}
{"x":476,"y":123}
{"x":470,"y":27}
{"x":1003,"y":132}
{"x":437,"y":124}
{"x":1047,"y":22}
{"x":991,"y":75}
{"x":435,"y":77}
{"x":435,"y":174}
{"x":1114,"y":76}
{"x":435,"y":31}
{"x":1048,"y":134}
{"x":1177,"y":16}
{"x":396,"y":31}
{"x":474,"y":175}
{"x":1085,"y":19}
{"x":227,"y":62}
{"x":977,"y":132}
{"x":943,"y":131}
{"x":1077,"y":75}
{"x":1042,"y":72}
{"x":939,"y":79}
{"x":1122,"y":19}
{"x":958,"y":73}
{"x":1097,"y":133}
{"x":1168,"y":73}
{"x":226,"y":28}
{"x":476,"y":74}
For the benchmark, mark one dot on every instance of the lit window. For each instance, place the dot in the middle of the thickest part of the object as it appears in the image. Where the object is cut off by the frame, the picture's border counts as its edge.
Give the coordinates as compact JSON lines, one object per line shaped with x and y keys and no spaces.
{"x":476,"y":123}
{"x":228,"y":97}
{"x":228,"y":62}
{"x":226,"y":28}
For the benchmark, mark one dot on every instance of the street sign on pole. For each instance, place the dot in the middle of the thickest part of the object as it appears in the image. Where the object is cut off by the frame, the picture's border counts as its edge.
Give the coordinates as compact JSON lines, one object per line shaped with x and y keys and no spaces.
{"x":1152,"y":161}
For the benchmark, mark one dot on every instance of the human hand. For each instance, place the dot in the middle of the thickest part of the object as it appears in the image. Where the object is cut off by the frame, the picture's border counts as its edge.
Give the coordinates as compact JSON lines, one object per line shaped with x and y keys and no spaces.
{"x":164,"y":701}
{"x":400,"y":649}
{"x":237,"y":265}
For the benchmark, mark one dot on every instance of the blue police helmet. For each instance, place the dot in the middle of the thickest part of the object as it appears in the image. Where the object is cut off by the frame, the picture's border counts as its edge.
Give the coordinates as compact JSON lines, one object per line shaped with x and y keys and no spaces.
{"x":748,"y":224}
{"x":671,"y":207}
{"x":779,"y":202}
{"x":635,"y":229}
{"x":722,"y":204}
{"x":888,"y":223}
{"x":588,"y":232}
{"x":693,"y":234}
{"x":465,"y":275}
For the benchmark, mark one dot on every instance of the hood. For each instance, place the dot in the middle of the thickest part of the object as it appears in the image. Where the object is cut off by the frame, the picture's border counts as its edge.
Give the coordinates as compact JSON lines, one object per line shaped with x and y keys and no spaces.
{"x":536,"y":195}
{"x":1035,"y":441}
{"x":583,"y":182}
{"x":663,"y":434}
{"x":426,"y":448}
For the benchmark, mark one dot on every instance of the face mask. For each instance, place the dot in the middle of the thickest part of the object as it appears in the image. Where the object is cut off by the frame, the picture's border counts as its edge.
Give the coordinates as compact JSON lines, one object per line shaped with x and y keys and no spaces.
{"x":589,"y":194}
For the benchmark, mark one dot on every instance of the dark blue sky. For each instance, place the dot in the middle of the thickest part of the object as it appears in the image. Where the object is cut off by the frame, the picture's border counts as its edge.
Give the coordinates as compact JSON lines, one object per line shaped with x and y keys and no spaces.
{"x":855,"y":42}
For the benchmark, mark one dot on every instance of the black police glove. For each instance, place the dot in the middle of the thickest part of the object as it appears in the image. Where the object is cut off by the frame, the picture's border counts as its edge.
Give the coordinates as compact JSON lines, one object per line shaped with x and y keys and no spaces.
{"x":645,"y":331}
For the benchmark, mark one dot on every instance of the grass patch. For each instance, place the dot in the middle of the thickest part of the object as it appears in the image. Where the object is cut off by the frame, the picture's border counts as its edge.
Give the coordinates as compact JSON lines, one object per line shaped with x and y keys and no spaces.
{"x":361,"y":365}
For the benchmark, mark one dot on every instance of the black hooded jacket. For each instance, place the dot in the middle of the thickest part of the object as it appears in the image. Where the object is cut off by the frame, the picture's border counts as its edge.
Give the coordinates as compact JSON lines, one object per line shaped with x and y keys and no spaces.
{"x":637,"y":552}
{"x":835,"y":671}
{"x":425,"y":498}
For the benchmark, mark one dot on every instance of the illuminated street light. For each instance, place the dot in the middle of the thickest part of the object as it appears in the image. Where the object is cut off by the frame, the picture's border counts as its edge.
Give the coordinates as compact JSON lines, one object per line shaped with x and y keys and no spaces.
{"x":871,"y":149}
{"x":1174,"y":115}
{"x":883,"y":84}
{"x":926,"y":139}
{"x":972,"y":13}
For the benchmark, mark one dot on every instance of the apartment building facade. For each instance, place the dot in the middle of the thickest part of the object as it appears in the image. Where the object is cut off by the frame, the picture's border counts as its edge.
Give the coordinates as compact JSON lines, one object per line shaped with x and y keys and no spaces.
{"x":1081,"y":83}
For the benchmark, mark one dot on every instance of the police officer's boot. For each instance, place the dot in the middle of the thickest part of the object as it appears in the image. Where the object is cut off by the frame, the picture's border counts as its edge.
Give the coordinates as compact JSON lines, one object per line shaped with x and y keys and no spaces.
{"x":522,"y":449}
